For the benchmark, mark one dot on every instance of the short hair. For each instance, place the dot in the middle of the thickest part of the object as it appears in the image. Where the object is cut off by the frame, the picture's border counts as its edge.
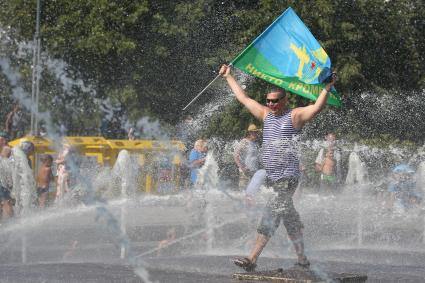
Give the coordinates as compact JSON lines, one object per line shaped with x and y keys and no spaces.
{"x":281,"y":91}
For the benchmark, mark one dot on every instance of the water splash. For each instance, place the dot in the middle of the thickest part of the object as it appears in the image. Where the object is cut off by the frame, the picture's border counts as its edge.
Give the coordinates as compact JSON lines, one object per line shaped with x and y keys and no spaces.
{"x":208,"y":174}
{"x":357,"y":171}
{"x":23,"y":183}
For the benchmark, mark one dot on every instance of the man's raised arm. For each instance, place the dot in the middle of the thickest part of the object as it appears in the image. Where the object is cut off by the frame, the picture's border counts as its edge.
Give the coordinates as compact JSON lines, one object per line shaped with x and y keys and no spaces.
{"x":302,"y":115}
{"x":256,"y":109}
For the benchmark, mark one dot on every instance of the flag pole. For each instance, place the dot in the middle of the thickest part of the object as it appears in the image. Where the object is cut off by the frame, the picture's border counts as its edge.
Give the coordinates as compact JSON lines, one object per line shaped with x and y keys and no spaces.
{"x":237,"y":57}
{"x":202,"y":91}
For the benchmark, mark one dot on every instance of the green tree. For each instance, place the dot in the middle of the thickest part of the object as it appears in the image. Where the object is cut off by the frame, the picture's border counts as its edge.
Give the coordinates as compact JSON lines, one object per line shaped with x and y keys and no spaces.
{"x":151,"y":58}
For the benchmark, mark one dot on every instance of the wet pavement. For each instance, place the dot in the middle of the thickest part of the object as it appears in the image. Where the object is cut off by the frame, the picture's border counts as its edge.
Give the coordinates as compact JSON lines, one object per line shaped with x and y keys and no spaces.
{"x":376,"y":272}
{"x":212,"y":268}
{"x":75,"y":246}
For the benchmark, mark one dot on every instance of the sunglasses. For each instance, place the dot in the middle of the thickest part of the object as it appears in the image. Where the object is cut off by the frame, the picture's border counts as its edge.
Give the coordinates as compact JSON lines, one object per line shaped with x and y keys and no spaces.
{"x":274,"y":101}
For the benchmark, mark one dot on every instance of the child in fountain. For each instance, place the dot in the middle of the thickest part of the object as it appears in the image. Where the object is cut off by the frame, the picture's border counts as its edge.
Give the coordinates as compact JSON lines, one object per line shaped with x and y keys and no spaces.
{"x":327,"y":163}
{"x":44,"y":177}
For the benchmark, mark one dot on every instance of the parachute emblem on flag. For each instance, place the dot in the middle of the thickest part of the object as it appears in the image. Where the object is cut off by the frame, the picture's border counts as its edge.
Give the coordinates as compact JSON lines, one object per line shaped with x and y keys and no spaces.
{"x":308,"y":69}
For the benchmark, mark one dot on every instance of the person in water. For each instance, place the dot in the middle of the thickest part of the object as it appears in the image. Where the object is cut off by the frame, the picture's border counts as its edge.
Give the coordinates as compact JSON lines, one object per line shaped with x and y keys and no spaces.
{"x":44,"y":177}
{"x":246,"y":156}
{"x":327,"y":163}
{"x":281,"y":131}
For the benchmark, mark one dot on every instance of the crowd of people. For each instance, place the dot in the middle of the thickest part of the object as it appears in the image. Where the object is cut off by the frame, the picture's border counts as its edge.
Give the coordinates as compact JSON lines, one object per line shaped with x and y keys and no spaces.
{"x":329,"y":178}
{"x":275,"y":164}
{"x":51,"y":175}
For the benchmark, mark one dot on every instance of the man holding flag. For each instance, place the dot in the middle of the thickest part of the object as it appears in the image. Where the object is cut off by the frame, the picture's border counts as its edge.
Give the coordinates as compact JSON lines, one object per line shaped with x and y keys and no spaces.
{"x":281,"y":132}
{"x":287,"y":55}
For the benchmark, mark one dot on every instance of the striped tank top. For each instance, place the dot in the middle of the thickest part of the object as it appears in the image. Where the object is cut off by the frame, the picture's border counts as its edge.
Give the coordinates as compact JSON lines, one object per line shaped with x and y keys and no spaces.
{"x":280,"y":146}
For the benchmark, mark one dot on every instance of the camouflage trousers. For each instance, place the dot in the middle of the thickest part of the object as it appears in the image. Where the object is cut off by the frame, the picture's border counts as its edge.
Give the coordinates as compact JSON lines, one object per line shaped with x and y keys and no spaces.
{"x":281,"y":208}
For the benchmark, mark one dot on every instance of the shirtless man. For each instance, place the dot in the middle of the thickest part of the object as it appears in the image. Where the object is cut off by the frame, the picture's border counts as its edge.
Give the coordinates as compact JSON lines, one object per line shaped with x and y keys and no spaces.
{"x":327,"y":164}
{"x":44,"y":177}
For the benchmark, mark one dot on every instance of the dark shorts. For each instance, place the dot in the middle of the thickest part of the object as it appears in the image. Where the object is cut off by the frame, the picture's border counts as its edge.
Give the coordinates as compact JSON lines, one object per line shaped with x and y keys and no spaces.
{"x":41,"y":191}
{"x":281,"y":208}
{"x":4,"y":194}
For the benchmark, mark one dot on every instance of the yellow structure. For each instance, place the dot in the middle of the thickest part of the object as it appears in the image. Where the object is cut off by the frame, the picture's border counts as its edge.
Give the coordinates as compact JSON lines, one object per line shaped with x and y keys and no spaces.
{"x":160,"y":160}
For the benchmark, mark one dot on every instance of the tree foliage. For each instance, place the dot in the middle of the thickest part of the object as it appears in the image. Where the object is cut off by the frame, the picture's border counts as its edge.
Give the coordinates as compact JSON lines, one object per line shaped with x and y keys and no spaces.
{"x":151,"y":57}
